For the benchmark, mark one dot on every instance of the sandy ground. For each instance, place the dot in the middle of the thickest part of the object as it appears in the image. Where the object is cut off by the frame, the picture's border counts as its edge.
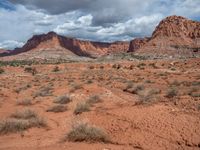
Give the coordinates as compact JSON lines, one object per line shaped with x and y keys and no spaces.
{"x":131,"y":120}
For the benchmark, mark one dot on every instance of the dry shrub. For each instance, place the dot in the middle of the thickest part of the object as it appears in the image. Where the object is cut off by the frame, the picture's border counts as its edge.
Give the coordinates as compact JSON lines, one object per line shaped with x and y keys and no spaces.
{"x":25,"y":102}
{"x":20,"y":121}
{"x":81,"y":107}
{"x":85,"y":132}
{"x":57,"y":109}
{"x":63,"y":99}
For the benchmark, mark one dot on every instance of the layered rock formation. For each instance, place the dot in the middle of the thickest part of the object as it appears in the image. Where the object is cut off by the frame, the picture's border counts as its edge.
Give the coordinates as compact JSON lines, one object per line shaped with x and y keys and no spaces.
{"x":53,"y":43}
{"x":137,"y":44}
{"x":174,"y":35}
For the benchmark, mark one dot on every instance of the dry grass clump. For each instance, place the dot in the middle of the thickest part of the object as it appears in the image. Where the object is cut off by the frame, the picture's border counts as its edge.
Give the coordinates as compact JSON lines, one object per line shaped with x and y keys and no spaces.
{"x":13,"y":126}
{"x":88,"y":133}
{"x":134,"y":89}
{"x":81,"y":107}
{"x":43,"y":91}
{"x":20,"y":121}
{"x":31,"y":70}
{"x":24,"y":114}
{"x":56,"y":69}
{"x":63,"y":99}
{"x":85,"y":106}
{"x":57,"y":109}
{"x":25,"y":102}
{"x":75,"y":87}
{"x":1,"y":71}
{"x":22,"y":88}
{"x":147,"y":96}
{"x":116,"y":66}
{"x":171,"y":92}
{"x":93,"y":99}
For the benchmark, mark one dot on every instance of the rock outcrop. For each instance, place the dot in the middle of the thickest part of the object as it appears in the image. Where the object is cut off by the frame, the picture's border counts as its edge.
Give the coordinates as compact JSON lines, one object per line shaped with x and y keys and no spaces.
{"x":174,"y":36}
{"x":53,"y":42}
{"x":137,"y":44}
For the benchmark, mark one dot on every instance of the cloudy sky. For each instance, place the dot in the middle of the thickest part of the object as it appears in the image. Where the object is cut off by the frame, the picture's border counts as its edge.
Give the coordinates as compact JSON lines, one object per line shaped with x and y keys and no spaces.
{"x":97,"y":20}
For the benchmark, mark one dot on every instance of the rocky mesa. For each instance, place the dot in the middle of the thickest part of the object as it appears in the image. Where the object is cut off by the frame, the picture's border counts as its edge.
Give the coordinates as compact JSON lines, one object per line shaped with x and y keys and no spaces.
{"x":52,"y":43}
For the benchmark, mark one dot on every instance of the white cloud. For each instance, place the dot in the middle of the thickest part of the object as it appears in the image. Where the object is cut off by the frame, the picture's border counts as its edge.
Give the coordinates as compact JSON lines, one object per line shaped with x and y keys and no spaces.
{"x":10,"y":44}
{"x":86,"y":20}
{"x":99,"y":20}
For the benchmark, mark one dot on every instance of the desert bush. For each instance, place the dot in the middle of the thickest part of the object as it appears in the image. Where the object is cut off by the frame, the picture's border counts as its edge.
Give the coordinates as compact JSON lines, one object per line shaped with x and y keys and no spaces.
{"x":101,"y":67}
{"x":81,"y":107}
{"x":147,"y":96}
{"x":134,"y":89}
{"x":56,"y":69}
{"x":24,"y":114}
{"x":75,"y":87}
{"x":196,"y":83}
{"x":195,"y":94}
{"x":20,"y":121}
{"x":153,"y":65}
{"x":13,"y":126}
{"x":22,"y":88}
{"x":141,"y":65}
{"x":24,"y":102}
{"x":85,"y":132}
{"x":91,"y":67}
{"x":93,"y":99}
{"x":171,"y":92}
{"x":176,"y":83}
{"x":129,"y":85}
{"x":43,"y":91}
{"x":57,"y":109}
{"x":31,"y":70}
{"x":173,"y":69}
{"x":116,"y":66}
{"x":1,"y":71}
{"x":89,"y":82}
{"x":63,"y":99}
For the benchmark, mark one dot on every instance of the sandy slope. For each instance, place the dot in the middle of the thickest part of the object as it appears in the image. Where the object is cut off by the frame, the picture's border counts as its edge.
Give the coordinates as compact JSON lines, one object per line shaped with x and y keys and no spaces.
{"x":161,"y":123}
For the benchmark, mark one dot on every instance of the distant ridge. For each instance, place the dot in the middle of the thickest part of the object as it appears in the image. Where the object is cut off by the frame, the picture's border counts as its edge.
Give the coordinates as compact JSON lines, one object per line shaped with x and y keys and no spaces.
{"x":174,"y":36}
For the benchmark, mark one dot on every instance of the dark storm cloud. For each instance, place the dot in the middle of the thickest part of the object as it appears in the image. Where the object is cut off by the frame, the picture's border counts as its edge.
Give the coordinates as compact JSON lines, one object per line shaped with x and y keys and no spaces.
{"x":98,"y":20}
{"x":103,"y":11}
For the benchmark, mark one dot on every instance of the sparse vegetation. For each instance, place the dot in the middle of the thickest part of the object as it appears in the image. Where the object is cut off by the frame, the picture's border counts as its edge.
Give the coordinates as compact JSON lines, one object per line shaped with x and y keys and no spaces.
{"x":91,"y":67}
{"x":116,"y":66}
{"x":134,"y":89}
{"x":93,"y":100}
{"x":24,"y":114}
{"x":147,"y":96}
{"x":56,"y":69}
{"x":20,"y":121}
{"x":31,"y":70}
{"x":1,"y":71}
{"x":57,"y":109}
{"x":43,"y":91}
{"x":81,"y":107}
{"x":25,"y":102}
{"x":85,"y":132}
{"x":89,"y":82}
{"x":63,"y":99}
{"x":171,"y":92}
{"x":75,"y":87}
{"x":22,"y":88}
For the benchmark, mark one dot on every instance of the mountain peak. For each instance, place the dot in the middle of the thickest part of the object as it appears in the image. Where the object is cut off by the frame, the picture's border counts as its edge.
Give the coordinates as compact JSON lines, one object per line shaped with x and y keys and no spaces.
{"x":177,"y":26}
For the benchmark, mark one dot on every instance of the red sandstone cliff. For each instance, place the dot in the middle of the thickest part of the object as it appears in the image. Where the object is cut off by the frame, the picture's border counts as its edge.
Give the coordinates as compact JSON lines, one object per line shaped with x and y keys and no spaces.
{"x":53,"y":42}
{"x":174,"y":35}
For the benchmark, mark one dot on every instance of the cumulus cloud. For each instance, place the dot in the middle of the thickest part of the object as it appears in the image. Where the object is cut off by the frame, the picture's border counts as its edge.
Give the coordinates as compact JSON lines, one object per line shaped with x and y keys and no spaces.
{"x":10,"y":44}
{"x":97,"y":20}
